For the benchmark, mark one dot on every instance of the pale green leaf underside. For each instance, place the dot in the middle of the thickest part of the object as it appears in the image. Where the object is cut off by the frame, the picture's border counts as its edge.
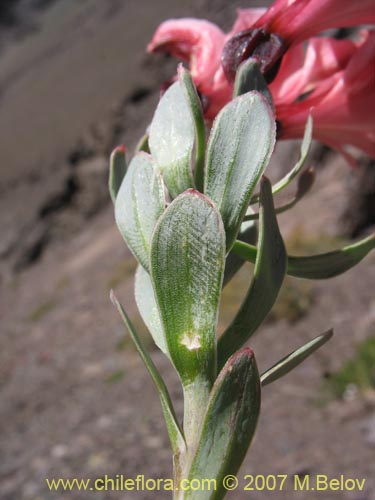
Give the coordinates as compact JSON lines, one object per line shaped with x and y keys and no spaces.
{"x":229,"y":424}
{"x":139,"y":204}
{"x":148,"y":309}
{"x":240,"y":144}
{"x":171,"y":140}
{"x":187,"y":263}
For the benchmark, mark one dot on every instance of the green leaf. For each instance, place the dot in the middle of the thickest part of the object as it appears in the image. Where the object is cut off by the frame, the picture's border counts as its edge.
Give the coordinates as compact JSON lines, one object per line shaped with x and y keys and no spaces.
{"x":146,"y":302}
{"x":293,"y":359}
{"x":305,"y":183}
{"x":269,"y":272}
{"x":142,"y":144}
{"x":229,"y":424}
{"x":171,"y":140}
{"x":239,"y":147}
{"x":320,"y":266}
{"x":187,"y":263}
{"x":248,"y":78}
{"x":174,"y":431}
{"x":233,"y":263}
{"x":117,"y":171}
{"x":190,"y":92}
{"x":139,"y":204}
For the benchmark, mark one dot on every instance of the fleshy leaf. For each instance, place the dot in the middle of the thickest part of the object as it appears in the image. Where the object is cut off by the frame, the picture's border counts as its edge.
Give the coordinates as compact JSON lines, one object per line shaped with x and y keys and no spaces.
{"x":190,"y":91}
{"x":174,"y":431}
{"x":320,"y":266}
{"x":229,"y":424}
{"x":187,"y":264}
{"x":139,"y":204}
{"x":293,"y":359}
{"x":249,"y":77}
{"x":117,"y":171}
{"x":148,"y":309}
{"x":171,"y":140}
{"x":239,"y":147}
{"x":269,"y":272}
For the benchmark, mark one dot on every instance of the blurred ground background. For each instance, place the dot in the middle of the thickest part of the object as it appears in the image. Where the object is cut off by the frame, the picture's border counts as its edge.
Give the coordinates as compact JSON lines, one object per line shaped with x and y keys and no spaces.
{"x":75,"y":400}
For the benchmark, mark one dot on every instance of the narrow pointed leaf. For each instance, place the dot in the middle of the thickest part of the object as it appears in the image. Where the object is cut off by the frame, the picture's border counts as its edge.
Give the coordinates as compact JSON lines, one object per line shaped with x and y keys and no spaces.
{"x":293,"y":359}
{"x":305,"y":183}
{"x":174,"y":431}
{"x":269,"y":272}
{"x":139,"y":204}
{"x":117,"y":171}
{"x":239,"y":147}
{"x":248,"y":78}
{"x":320,"y":266}
{"x":148,"y":309}
{"x":187,"y":264}
{"x":194,"y":102}
{"x":229,"y":424}
{"x":292,"y":174}
{"x":171,"y":140}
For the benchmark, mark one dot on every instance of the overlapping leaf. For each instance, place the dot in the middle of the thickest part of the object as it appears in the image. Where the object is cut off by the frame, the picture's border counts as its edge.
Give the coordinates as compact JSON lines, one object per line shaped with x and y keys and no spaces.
{"x":146,"y":302}
{"x":229,"y":424}
{"x":195,"y":106}
{"x":139,"y":203}
{"x":269,"y":272}
{"x":240,"y":144}
{"x":117,"y":171}
{"x":171,"y":140}
{"x":187,"y":264}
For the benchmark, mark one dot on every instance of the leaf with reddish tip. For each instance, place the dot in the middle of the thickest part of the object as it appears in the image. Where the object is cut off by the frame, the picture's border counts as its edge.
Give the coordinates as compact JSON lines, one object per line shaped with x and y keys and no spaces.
{"x":269,"y":272}
{"x":293,"y":359}
{"x":229,"y":424}
{"x":187,"y":264}
{"x":240,"y":144}
{"x":171,"y":140}
{"x":139,"y":204}
{"x":117,"y":171}
{"x":175,"y":434}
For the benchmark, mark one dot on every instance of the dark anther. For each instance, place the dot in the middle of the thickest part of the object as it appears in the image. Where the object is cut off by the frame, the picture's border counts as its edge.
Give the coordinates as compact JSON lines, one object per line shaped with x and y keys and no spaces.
{"x":268,"y":48}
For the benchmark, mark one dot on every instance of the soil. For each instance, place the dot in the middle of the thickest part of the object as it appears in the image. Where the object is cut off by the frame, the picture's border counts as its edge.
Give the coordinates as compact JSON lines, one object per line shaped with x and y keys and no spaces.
{"x":75,"y":398}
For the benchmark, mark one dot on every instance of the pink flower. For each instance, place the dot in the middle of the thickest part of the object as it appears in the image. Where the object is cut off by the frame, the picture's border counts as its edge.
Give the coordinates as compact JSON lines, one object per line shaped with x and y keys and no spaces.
{"x":332,"y":78}
{"x":341,"y":93}
{"x":198,"y":43}
{"x":298,"y":20}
